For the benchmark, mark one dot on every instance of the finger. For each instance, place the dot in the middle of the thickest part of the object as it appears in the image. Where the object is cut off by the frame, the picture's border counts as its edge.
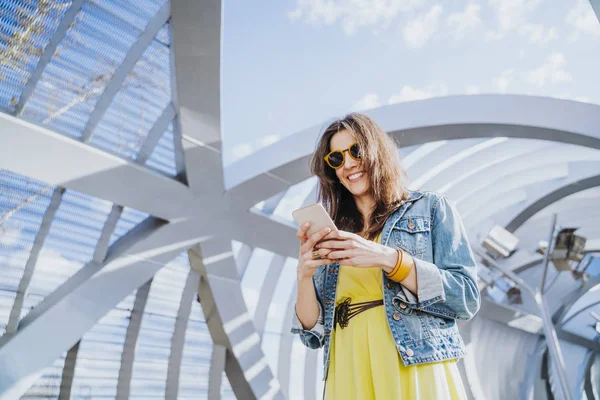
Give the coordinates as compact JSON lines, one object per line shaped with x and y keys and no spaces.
{"x":341,"y":235}
{"x":301,"y":232}
{"x":310,"y":255}
{"x":314,"y":238}
{"x":340,"y":254}
{"x":336,"y":244}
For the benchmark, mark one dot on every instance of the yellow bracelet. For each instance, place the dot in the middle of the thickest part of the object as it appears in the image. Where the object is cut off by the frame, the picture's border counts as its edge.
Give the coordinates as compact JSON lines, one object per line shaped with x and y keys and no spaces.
{"x":398,"y":264}
{"x":401,"y":270}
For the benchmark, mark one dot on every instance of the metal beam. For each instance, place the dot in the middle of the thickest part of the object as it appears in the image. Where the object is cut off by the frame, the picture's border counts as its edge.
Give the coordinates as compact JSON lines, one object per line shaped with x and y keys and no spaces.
{"x":100,"y":252}
{"x":159,"y":128}
{"x":196,"y":52}
{"x":73,"y":309}
{"x":507,"y":191}
{"x":133,"y":331}
{"x":66,"y":21}
{"x":114,"y":85}
{"x":242,"y":260}
{"x":266,"y":293}
{"x":582,"y":179}
{"x":274,"y":236}
{"x":38,"y":243}
{"x":228,"y":320}
{"x":215,"y":371}
{"x":178,"y":340}
{"x":520,"y":157}
{"x":285,"y":344}
{"x":177,"y":136}
{"x":68,"y":373}
{"x":179,"y":152}
{"x":425,"y":169}
{"x":96,"y":174}
{"x":451,"y":117}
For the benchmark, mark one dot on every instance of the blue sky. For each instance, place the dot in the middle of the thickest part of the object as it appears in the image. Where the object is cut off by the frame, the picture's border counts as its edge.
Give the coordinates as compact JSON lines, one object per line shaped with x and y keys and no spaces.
{"x":291,"y":64}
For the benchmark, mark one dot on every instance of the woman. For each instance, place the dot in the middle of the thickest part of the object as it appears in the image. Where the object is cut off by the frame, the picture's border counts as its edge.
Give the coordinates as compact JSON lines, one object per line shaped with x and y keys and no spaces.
{"x":383,"y":293}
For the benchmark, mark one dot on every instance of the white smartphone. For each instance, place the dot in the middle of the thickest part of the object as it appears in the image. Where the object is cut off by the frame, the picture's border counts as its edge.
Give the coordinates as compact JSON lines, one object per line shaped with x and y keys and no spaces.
{"x":316,"y":215}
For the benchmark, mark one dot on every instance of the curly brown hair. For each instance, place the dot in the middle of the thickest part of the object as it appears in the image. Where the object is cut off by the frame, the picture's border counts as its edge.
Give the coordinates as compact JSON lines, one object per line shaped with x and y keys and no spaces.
{"x":381,"y":162}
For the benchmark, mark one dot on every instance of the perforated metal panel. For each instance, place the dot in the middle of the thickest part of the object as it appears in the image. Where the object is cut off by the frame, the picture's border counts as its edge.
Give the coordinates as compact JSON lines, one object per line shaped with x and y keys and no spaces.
{"x":143,"y":95}
{"x":196,"y":358}
{"x":153,"y":347}
{"x":48,"y":386}
{"x":135,"y":13}
{"x":163,"y":156}
{"x":99,"y":357}
{"x":85,"y":60}
{"x":128,"y":220}
{"x":69,"y":246}
{"x":26,"y":27}
{"x":23,"y":203}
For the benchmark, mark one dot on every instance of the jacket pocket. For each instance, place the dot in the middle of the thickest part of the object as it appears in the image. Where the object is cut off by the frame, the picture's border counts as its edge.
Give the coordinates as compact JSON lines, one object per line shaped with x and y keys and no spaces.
{"x":412,"y":234}
{"x":436,"y":326}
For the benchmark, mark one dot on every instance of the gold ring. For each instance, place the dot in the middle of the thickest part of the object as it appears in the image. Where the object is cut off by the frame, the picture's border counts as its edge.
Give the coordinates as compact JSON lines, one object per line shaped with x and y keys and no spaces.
{"x":316,"y":255}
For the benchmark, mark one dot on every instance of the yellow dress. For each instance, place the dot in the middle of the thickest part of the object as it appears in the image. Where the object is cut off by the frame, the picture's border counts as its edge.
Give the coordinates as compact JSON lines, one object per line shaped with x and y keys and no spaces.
{"x":364,"y":362}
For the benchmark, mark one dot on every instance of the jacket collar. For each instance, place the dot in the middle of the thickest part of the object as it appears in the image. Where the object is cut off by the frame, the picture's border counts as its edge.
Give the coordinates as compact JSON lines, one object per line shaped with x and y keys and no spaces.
{"x":414,"y":196}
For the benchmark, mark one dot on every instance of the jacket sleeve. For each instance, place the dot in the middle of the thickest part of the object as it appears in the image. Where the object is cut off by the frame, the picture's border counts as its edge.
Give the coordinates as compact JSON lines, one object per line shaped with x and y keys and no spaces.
{"x":312,"y":338}
{"x":448,"y":286}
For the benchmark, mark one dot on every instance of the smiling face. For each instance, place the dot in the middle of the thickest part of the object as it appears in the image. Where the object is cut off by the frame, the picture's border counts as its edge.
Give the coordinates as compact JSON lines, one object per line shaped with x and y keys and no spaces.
{"x":352,"y":174}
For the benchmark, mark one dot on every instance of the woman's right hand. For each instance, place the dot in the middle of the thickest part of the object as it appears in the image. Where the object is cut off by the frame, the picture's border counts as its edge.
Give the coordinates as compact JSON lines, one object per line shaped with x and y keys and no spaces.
{"x":306,"y":263}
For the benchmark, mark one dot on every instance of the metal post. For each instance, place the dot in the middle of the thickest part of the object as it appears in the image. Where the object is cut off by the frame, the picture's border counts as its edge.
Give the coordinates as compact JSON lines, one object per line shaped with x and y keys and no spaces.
{"x":547,"y":253}
{"x":549,"y":331}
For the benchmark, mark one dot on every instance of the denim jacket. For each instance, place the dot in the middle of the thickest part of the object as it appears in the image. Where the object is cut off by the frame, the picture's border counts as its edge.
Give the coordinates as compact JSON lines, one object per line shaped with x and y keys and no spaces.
{"x":428,"y":227}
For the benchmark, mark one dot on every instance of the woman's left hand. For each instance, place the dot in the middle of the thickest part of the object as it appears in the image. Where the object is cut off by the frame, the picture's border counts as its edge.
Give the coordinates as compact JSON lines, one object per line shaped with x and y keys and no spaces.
{"x":351,"y":249}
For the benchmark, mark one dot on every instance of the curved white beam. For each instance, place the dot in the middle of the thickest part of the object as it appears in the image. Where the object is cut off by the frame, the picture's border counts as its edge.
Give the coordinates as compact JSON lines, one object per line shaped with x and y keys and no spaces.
{"x":228,"y":320}
{"x":523,"y":154}
{"x":155,"y":133}
{"x":436,"y":157}
{"x":40,"y":238}
{"x":267,"y":290}
{"x":66,"y":314}
{"x":452,"y":117}
{"x":508,"y":190}
{"x":178,"y":340}
{"x":133,"y":331}
{"x":536,"y":197}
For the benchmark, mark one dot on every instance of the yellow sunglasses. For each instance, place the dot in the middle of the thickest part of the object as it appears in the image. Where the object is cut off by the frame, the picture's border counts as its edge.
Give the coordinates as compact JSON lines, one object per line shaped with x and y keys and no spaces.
{"x":336,"y":158}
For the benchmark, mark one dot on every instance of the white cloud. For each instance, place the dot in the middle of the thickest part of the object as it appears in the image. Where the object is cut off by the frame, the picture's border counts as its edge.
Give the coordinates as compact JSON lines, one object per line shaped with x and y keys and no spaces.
{"x":472,"y":89}
{"x":418,"y":31}
{"x":552,"y":71}
{"x":462,"y":22}
{"x":583,"y":19}
{"x":512,"y":17}
{"x":512,"y":13}
{"x":503,"y":81}
{"x":368,"y":101}
{"x":491,"y":36}
{"x":537,"y":34}
{"x":351,"y":14}
{"x":408,"y":93}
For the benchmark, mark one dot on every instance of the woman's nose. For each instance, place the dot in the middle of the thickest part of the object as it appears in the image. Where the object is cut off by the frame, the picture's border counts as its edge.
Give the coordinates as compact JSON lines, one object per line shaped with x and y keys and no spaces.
{"x":349,"y":162}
